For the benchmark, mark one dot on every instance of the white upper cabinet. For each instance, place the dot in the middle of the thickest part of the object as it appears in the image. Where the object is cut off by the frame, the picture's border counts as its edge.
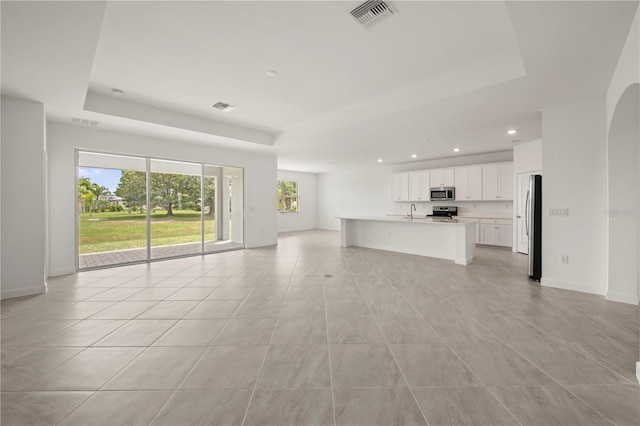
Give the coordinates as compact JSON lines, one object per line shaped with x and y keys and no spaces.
{"x":400,"y":187}
{"x":442,"y":177}
{"x":497,"y":182}
{"x":468,"y":183}
{"x":419,"y":185}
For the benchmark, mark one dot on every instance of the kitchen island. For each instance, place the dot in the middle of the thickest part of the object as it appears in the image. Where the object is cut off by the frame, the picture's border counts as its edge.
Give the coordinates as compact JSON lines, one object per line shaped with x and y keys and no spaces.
{"x":443,"y":239}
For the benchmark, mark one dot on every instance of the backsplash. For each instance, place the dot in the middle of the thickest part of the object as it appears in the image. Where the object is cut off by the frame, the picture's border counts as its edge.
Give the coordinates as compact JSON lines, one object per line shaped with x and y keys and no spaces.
{"x":466,"y":208}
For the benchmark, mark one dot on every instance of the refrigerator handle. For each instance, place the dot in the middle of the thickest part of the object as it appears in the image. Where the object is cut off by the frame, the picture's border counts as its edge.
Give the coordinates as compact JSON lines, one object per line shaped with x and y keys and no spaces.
{"x":526,"y":212}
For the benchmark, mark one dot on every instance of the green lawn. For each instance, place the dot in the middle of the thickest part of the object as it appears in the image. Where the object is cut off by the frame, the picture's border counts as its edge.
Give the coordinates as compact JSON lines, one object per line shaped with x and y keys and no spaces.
{"x":121,"y":230}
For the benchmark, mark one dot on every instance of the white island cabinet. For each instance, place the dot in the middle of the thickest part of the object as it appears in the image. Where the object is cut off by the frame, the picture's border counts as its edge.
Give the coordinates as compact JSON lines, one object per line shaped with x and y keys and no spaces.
{"x":450,"y":240}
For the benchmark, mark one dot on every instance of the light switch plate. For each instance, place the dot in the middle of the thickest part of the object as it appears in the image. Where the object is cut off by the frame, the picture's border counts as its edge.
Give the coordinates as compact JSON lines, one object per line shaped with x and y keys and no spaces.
{"x":558,"y":212}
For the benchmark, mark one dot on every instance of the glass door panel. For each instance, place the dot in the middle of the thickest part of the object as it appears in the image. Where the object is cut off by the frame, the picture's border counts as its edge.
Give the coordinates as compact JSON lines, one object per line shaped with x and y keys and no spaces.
{"x":175,"y":195}
{"x":210,"y":206}
{"x":234,"y":181}
{"x":111,"y":218}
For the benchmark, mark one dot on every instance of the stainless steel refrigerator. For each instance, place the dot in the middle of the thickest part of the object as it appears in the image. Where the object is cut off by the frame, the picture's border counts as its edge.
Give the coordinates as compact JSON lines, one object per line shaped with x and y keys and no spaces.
{"x":533,"y":217}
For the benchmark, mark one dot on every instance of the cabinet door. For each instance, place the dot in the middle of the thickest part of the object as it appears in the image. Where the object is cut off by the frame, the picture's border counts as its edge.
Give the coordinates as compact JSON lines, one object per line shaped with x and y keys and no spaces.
{"x":475,"y":183}
{"x":462,"y":183}
{"x":442,"y":177}
{"x":419,"y":186}
{"x":487,"y":234}
{"x":468,"y":183}
{"x":490,"y":182}
{"x":497,"y":182}
{"x":506,"y":181}
{"x":400,"y":187}
{"x":504,"y":235}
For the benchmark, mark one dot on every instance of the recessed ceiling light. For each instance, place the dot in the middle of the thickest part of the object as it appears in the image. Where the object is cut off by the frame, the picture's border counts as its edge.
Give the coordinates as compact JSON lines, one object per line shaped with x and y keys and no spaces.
{"x":117,"y":91}
{"x":512,"y":131}
{"x":379,"y":160}
{"x":456,"y":149}
{"x":272,"y":73}
{"x":414,"y":155}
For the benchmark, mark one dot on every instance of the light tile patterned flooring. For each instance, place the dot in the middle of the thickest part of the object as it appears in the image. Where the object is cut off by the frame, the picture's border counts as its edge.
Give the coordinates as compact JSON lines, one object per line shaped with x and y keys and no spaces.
{"x":267,"y":337}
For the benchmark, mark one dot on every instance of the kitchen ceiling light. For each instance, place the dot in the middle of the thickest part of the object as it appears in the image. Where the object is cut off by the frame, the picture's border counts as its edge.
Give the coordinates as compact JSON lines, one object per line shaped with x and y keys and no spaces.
{"x":272,"y":73}
{"x":456,"y":149}
{"x":512,"y":132}
{"x":414,"y":155}
{"x":379,"y":160}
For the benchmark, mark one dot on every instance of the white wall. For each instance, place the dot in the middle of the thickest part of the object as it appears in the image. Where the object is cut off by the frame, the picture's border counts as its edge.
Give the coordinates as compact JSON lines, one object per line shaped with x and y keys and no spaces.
{"x":260,"y":181}
{"x":23,"y":198}
{"x":527,"y":157}
{"x":306,"y":217}
{"x":623,"y":146}
{"x":627,"y":71}
{"x":353,"y":192}
{"x":574,"y":164}
{"x":368,"y":191}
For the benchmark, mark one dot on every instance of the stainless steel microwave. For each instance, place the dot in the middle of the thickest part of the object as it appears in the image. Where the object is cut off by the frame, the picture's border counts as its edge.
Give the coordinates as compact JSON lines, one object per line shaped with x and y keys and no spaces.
{"x":443,"y":193}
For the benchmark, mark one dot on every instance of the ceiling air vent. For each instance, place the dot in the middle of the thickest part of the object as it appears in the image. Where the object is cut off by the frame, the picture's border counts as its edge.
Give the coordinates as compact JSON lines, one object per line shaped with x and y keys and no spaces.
{"x":372,"y":12}
{"x":223,"y":106}
{"x":83,"y":122}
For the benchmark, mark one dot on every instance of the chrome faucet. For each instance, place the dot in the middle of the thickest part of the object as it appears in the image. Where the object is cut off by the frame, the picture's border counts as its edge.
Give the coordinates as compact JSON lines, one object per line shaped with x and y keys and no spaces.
{"x":411,"y":210}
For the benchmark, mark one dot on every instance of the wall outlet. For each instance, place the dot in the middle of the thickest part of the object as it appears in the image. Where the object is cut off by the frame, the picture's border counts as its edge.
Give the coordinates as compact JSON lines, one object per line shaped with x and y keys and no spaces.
{"x":564,"y":258}
{"x":558,"y":212}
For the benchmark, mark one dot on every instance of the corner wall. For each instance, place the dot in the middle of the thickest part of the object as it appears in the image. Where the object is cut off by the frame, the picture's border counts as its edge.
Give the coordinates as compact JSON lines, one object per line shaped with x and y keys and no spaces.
{"x":23,"y":198}
{"x":260,"y":182}
{"x":623,"y":147}
{"x":574,"y":164}
{"x":306,"y":217}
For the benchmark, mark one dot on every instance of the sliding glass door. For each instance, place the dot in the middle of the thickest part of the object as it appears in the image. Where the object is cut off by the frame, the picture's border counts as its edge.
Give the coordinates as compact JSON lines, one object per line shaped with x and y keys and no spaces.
{"x":111,"y":209}
{"x":134,"y":209}
{"x":176,"y":219}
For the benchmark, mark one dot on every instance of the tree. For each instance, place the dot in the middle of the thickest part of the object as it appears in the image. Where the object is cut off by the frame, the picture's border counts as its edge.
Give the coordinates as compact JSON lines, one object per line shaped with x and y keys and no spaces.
{"x":167,"y":189}
{"x":88,"y":193}
{"x":133,"y":189}
{"x":287,"y":196}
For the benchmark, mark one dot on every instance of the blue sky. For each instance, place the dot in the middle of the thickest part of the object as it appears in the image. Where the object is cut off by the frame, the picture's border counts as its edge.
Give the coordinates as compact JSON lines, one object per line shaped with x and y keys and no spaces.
{"x":104,"y":177}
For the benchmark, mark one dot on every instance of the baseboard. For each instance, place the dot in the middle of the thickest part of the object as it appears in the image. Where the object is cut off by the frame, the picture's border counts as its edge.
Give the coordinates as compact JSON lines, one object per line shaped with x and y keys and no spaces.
{"x":61,"y":272}
{"x":262,"y":244}
{"x":623,"y":298}
{"x":29,"y":291}
{"x":284,"y":231}
{"x":322,"y":228}
{"x":563,"y":285}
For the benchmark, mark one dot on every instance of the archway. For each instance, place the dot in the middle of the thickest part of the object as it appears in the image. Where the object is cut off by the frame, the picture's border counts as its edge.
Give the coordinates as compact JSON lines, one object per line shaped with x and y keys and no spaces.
{"x":624,"y":198}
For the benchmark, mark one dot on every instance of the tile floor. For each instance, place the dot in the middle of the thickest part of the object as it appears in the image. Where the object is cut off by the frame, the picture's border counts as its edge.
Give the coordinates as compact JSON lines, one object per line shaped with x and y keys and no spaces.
{"x":311,"y":333}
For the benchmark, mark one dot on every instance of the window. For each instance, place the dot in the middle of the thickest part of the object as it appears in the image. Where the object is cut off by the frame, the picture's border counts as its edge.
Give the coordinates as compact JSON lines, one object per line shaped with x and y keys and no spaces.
{"x":287,"y":200}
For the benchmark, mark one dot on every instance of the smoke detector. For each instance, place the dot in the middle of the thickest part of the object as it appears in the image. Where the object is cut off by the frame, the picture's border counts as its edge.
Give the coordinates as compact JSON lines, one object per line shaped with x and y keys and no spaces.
{"x":371,"y":12}
{"x":223,"y":106}
{"x":83,"y":122}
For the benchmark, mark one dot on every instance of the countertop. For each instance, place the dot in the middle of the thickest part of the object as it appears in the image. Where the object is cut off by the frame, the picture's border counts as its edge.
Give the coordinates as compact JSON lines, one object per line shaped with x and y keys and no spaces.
{"x":404,"y":219}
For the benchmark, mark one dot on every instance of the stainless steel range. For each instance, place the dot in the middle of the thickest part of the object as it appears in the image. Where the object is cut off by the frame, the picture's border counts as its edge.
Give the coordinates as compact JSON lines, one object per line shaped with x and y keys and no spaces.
{"x":444,"y":211}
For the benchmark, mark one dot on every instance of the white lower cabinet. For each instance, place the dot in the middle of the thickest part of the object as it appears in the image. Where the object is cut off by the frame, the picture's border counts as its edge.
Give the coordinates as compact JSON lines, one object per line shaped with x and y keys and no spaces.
{"x":496,"y":232}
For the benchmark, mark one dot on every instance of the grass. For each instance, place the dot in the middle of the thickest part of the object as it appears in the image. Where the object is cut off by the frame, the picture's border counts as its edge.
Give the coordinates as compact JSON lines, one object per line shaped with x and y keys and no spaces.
{"x":110,"y":231}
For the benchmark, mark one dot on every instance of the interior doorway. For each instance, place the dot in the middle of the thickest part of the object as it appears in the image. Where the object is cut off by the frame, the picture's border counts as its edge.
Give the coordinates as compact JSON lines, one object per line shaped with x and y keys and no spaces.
{"x":624,"y":198}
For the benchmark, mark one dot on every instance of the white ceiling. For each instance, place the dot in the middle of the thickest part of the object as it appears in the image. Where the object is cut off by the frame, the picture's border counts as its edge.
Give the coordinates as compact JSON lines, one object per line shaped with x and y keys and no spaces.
{"x":434,"y":76}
